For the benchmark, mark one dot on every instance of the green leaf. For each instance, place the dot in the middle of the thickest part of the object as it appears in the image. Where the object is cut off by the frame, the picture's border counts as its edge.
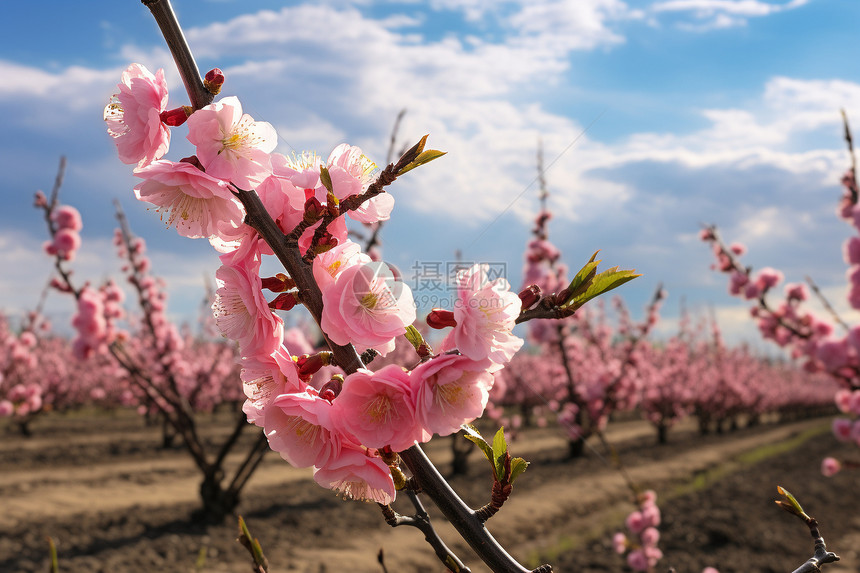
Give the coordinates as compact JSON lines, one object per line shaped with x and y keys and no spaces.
{"x":793,"y":506}
{"x":500,"y":448}
{"x":423,"y":157}
{"x":600,"y":284}
{"x":252,"y":545}
{"x":325,"y":178}
{"x":518,"y":466}
{"x":473,"y":435}
{"x":52,"y":549}
{"x":414,"y":337}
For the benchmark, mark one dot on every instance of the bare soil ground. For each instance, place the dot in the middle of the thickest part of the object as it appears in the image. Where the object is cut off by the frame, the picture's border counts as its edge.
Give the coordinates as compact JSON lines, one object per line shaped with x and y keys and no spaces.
{"x":114,"y":501}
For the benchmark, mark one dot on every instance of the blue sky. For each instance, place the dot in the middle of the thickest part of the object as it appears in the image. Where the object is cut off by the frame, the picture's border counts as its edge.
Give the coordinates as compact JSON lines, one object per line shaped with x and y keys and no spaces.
{"x":656,"y":116}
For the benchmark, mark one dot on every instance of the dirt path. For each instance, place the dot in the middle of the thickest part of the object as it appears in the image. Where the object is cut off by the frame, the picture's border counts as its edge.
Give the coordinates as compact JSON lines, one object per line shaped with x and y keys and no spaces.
{"x":119,"y":500}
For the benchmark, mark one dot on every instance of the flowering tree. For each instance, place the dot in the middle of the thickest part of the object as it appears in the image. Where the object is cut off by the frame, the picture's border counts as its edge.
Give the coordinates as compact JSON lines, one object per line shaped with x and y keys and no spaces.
{"x":815,"y":340}
{"x":359,"y":430}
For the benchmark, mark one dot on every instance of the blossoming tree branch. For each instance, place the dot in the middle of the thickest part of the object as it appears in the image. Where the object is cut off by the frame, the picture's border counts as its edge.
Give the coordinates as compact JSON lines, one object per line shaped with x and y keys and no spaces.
{"x":359,"y":431}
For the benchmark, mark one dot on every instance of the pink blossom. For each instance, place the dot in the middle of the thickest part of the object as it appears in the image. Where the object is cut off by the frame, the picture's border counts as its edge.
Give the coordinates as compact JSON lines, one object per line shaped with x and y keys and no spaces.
{"x":6,"y":408}
{"x":635,"y":522}
{"x":328,"y":265}
{"x":266,"y":377}
{"x":195,"y":203}
{"x":768,"y":278}
{"x":66,"y":244}
{"x":830,"y":467}
{"x":637,"y":560}
{"x":241,"y":311}
{"x":67,"y":217}
{"x":133,"y":116}
{"x":351,"y":173}
{"x":299,"y":426}
{"x":842,"y":428}
{"x":737,"y":249}
{"x":710,"y":570}
{"x":450,"y":390}
{"x":367,"y":306}
{"x":378,"y":408}
{"x":358,"y":474}
{"x":851,"y":251}
{"x":619,"y":542}
{"x":485,"y":312}
{"x":231,"y":145}
{"x":843,"y":400}
{"x":650,"y":536}
{"x":796,"y":291}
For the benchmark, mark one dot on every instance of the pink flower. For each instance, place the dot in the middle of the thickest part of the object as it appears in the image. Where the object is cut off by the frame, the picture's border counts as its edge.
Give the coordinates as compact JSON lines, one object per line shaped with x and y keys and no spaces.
{"x":619,"y":542}
{"x":378,"y":409}
{"x":450,"y":390}
{"x":327,"y":266}
{"x":485,"y":312}
{"x":231,"y":145}
{"x":710,"y":570}
{"x":637,"y":560}
{"x":266,"y":377}
{"x":241,"y":311}
{"x":650,"y":536}
{"x":357,"y":474}
{"x":133,"y":116}
{"x":6,"y":408}
{"x":367,"y":306}
{"x":830,"y":467}
{"x":351,"y":173}
{"x":635,"y":522}
{"x":768,"y":278}
{"x":196,"y":204}
{"x":842,"y":429}
{"x":67,"y":217}
{"x":299,"y":426}
{"x":66,"y":244}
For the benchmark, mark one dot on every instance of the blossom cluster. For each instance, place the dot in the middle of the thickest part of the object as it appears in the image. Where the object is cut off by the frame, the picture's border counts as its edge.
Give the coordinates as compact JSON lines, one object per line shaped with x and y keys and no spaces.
{"x":642,"y":551}
{"x":348,"y":426}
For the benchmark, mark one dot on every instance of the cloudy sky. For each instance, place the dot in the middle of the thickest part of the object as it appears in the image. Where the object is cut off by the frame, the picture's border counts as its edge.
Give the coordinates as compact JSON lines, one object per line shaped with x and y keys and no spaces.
{"x":656,"y":116}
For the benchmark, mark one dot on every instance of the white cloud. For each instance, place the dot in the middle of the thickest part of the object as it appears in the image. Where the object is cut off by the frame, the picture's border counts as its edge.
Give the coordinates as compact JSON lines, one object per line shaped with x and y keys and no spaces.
{"x":719,"y":14}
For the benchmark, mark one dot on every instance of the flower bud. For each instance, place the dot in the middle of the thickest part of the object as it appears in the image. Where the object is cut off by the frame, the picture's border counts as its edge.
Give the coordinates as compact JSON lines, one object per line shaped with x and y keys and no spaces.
{"x":40,"y":200}
{"x":314,"y":211}
{"x":176,"y":117}
{"x":309,"y":364}
{"x":284,"y":301}
{"x":214,"y":80}
{"x":331,"y":389}
{"x":529,"y":296}
{"x":440,"y":318}
{"x":278,"y":283}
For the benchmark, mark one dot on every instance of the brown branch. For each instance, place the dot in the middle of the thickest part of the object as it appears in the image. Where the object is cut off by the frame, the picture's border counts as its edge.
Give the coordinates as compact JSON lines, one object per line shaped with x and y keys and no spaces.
{"x":827,"y":304}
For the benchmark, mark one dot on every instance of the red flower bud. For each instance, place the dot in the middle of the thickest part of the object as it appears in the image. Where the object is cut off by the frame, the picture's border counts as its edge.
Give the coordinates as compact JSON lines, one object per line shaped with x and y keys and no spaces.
{"x":176,"y":117}
{"x":314,"y":211}
{"x":309,"y":364}
{"x":40,"y":200}
{"x":529,"y":296}
{"x":284,"y":301}
{"x":331,"y":389}
{"x":440,"y":318}
{"x":214,"y":80}
{"x":278,"y":283}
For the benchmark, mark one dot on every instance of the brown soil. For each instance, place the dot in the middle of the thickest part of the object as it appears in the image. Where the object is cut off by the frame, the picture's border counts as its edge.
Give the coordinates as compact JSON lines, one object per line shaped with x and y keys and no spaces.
{"x":112,"y":500}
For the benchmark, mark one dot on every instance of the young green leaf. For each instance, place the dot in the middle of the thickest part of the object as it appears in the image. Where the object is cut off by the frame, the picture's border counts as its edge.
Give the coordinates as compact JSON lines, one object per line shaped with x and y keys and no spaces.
{"x":600,"y":284}
{"x":423,"y":157}
{"x":325,"y":178}
{"x":414,"y":337}
{"x":500,"y":448}
{"x":473,"y":435}
{"x":518,"y":466}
